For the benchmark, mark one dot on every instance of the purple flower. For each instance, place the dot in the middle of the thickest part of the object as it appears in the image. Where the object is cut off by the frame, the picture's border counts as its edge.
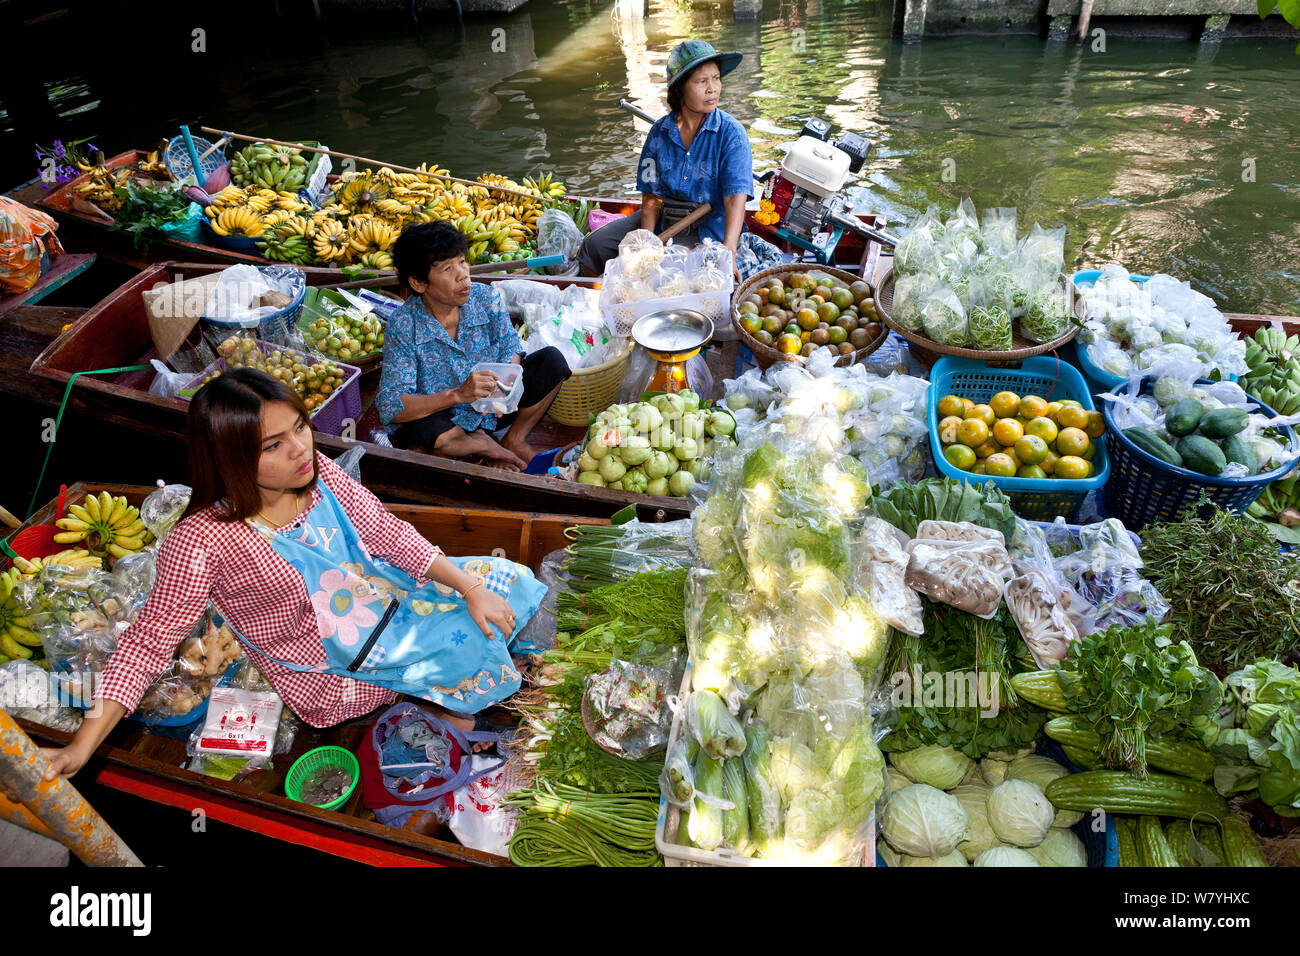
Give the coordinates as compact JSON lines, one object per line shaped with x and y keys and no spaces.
{"x":93,"y":148}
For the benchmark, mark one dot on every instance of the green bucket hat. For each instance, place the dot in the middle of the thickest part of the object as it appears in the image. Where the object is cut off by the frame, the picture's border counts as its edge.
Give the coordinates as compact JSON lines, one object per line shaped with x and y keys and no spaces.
{"x":688,"y":55}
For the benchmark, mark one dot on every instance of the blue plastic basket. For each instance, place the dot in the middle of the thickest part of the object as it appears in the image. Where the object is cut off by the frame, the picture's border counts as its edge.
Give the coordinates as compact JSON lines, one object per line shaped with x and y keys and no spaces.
{"x":1038,"y":499}
{"x":1143,"y":489}
{"x":278,"y":326}
{"x":1099,"y":380}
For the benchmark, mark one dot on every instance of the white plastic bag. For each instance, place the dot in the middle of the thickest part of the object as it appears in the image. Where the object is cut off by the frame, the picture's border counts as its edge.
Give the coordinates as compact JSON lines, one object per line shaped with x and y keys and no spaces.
{"x":167,"y":383}
{"x":478,"y":819}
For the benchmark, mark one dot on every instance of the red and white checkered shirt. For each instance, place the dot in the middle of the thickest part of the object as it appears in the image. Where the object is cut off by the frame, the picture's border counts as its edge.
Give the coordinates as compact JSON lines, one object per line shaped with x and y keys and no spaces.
{"x":265,"y":600}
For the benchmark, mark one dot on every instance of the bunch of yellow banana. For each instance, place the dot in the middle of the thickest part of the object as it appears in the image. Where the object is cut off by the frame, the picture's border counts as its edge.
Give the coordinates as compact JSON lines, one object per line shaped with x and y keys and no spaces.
{"x":287,"y":240}
{"x":376,"y":260}
{"x":329,"y":239}
{"x":99,"y":188}
{"x":104,"y":525}
{"x":477,"y":250}
{"x":370,"y":235}
{"x":229,"y":198}
{"x":154,"y":166}
{"x":67,"y":558}
{"x":238,"y":222}
{"x":271,"y":167}
{"x":546,"y":185}
{"x":16,"y":636}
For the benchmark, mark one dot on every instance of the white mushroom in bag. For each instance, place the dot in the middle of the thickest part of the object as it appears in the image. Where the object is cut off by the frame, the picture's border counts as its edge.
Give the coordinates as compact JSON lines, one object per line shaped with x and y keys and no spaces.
{"x":1038,"y":612}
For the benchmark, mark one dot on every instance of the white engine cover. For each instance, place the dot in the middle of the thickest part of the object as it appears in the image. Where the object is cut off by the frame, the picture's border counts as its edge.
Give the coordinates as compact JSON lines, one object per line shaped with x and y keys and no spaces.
{"x":816,"y":166}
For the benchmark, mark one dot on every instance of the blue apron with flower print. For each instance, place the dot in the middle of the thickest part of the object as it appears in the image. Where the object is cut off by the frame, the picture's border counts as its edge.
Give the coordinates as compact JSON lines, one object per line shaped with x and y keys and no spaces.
{"x":380,"y":626}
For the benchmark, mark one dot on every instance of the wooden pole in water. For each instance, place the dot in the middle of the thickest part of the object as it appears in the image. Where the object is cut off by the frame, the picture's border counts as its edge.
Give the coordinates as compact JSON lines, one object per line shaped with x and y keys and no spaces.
{"x":55,"y":803}
{"x":1085,"y":15}
{"x":370,"y":162}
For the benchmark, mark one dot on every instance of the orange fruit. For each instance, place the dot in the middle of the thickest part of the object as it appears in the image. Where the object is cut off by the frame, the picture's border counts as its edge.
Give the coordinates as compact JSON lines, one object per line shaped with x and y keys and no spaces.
{"x":1072,"y":417}
{"x":967,"y":406}
{"x":988,"y":448}
{"x":1091,"y":452}
{"x":1030,"y":471}
{"x":1005,"y":404}
{"x":1033,"y":406}
{"x":1015,"y":459}
{"x":978,"y":468}
{"x":1043,"y":427}
{"x":1072,"y":441}
{"x":789,"y":343}
{"x":1000,"y":465}
{"x":1031,"y":450}
{"x":1007,"y":431}
{"x":1070,"y":401}
{"x":972,"y":432}
{"x":960,"y":456}
{"x":950,"y":405}
{"x":1053,"y":409}
{"x":948,"y":429}
{"x":985,"y":414}
{"x":1071,"y":467}
{"x":1096,"y":426}
{"x":1048,"y":464}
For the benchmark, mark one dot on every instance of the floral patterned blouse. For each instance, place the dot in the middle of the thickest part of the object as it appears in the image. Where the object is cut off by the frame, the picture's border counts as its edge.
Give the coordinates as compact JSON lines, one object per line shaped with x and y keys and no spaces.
{"x":420,"y":358}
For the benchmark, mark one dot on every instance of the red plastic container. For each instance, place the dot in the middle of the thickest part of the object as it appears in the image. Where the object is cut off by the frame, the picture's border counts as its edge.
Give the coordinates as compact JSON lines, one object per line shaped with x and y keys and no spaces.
{"x":38,"y":540}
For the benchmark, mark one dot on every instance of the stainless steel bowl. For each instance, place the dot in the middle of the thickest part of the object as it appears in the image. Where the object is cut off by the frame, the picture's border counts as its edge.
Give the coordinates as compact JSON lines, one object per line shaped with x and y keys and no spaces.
{"x":672,"y":331}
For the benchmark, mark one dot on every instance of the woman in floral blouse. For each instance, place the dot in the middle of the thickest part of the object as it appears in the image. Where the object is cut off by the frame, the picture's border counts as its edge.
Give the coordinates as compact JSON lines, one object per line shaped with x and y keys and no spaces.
{"x":434,"y":341}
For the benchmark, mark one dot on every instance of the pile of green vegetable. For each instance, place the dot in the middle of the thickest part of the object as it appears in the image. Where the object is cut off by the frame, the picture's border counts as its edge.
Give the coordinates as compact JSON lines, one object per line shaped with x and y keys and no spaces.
{"x":145,"y":212}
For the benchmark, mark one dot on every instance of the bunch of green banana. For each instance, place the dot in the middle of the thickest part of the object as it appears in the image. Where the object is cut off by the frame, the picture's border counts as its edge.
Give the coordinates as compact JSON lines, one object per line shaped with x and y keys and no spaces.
{"x":1280,"y":502}
{"x":1274,"y":376}
{"x":271,"y":167}
{"x":16,"y":636}
{"x":288,"y":242}
{"x":105,"y":526}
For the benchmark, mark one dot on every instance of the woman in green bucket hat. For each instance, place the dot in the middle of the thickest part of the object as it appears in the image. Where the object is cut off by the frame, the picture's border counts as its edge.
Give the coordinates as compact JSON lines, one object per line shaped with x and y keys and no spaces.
{"x":696,"y":153}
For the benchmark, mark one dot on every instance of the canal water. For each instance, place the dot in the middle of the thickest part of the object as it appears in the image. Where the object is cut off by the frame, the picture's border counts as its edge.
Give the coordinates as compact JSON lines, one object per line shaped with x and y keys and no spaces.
{"x":1154,"y":154}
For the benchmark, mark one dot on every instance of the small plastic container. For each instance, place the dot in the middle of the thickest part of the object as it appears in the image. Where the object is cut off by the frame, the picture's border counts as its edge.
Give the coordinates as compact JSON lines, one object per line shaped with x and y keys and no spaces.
{"x":335,"y":758}
{"x":512,"y":382}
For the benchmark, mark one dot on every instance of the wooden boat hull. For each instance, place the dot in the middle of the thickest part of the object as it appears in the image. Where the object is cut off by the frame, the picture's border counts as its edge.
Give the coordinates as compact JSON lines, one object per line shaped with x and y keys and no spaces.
{"x":114,"y":334}
{"x":148,"y":765}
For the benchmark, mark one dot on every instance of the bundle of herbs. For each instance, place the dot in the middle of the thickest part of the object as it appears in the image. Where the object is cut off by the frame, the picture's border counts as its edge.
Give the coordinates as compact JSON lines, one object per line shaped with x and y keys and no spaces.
{"x":1233,"y":595}
{"x":956,"y":646}
{"x":603,"y":554}
{"x":906,"y":505}
{"x":650,"y":599}
{"x":1132,"y":684}
{"x":145,"y":212}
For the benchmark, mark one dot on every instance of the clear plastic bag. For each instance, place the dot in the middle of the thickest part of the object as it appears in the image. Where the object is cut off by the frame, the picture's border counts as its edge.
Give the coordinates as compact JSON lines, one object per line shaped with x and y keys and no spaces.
{"x":28,"y":693}
{"x":557,"y":235}
{"x":1046,"y":628}
{"x":970,"y":576}
{"x":1105,"y":572}
{"x":911,"y":293}
{"x":917,"y":251}
{"x":944,"y":320}
{"x":712,"y":726}
{"x":1047,"y":314}
{"x":998,"y":230}
{"x":639,"y":254}
{"x":667,"y":283}
{"x":677,"y":781}
{"x":628,"y":704}
{"x":882,"y":570}
{"x":990,"y":314}
{"x":161,"y":509}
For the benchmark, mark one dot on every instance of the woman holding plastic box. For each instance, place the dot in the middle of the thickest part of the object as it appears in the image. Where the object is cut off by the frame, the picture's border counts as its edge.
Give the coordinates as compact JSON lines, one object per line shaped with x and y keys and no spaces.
{"x":446,"y":328}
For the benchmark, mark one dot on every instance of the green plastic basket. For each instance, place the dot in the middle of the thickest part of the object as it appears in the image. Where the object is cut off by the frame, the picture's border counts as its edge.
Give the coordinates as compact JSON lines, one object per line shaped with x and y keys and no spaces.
{"x":335,"y":758}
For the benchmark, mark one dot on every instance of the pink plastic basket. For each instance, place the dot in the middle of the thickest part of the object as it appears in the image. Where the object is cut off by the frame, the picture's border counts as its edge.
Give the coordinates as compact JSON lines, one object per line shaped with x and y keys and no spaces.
{"x":330,"y":416}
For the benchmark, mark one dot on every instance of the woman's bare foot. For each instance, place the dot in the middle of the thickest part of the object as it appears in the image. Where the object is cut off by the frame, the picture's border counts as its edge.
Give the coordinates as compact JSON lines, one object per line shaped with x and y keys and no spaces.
{"x":520,"y":449}
{"x":464,"y":725}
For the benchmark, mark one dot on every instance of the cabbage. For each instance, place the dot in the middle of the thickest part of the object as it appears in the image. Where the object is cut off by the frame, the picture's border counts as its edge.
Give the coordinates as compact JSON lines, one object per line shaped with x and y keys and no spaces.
{"x":1005,"y":856}
{"x":793,"y":768}
{"x":810,"y":818}
{"x":1040,"y":771}
{"x":974,"y":800}
{"x":1060,"y":848}
{"x":951,"y":859}
{"x":896,"y":779}
{"x":1019,"y":813}
{"x":857,"y":772}
{"x":940,"y":767}
{"x":891,"y":856}
{"x":922,"y":821}
{"x":974,"y":778}
{"x":993,"y":771}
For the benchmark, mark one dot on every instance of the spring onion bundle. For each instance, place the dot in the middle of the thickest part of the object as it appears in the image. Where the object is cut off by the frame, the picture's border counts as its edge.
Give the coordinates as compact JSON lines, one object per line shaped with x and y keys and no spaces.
{"x":603,"y":554}
{"x":652,"y":598}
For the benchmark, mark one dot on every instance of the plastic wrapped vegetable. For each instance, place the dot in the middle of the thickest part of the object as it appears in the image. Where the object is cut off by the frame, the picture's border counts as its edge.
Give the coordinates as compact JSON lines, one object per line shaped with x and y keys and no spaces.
{"x":677,"y":781}
{"x":990,"y":314}
{"x":716,"y":731}
{"x":910,"y":295}
{"x":1047,"y":316}
{"x":640,"y":253}
{"x":943,"y":318}
{"x":705,"y":825}
{"x":1005,"y":856}
{"x":763,"y":797}
{"x":735,"y":822}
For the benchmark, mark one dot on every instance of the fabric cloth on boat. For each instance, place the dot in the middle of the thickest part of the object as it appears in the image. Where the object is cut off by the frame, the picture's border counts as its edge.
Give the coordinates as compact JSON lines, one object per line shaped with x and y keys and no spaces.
{"x":25,"y":236}
{"x":543,"y":370}
{"x":420,"y":358}
{"x":379,"y":625}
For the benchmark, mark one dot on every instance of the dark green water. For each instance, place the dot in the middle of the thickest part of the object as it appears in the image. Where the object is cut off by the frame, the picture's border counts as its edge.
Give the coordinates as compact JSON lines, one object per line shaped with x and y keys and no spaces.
{"x":1144,"y":151}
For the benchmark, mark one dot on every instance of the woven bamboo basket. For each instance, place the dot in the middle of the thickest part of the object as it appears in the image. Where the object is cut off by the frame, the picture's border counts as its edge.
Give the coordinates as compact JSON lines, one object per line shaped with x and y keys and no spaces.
{"x":589,"y":391}
{"x":927,"y":351}
{"x":765,"y":355}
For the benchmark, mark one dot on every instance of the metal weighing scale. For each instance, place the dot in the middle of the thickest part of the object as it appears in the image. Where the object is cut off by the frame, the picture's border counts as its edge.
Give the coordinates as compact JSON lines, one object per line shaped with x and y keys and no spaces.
{"x":672,"y":338}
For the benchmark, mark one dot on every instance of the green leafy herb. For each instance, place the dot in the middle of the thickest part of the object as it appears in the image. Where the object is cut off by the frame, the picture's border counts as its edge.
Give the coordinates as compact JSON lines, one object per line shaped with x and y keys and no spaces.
{"x":145,"y":211}
{"x":1131,"y":683}
{"x":1232,"y":593}
{"x":906,"y":505}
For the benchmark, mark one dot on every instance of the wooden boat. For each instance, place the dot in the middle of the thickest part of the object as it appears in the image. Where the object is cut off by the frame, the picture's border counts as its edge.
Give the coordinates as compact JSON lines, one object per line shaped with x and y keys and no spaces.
{"x":114,"y":334}
{"x":84,"y":226}
{"x":149,"y":765}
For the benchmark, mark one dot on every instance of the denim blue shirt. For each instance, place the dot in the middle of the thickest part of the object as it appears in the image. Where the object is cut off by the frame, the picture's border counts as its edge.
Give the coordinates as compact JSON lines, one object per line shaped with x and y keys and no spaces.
{"x":719,"y":163}
{"x":420,"y":358}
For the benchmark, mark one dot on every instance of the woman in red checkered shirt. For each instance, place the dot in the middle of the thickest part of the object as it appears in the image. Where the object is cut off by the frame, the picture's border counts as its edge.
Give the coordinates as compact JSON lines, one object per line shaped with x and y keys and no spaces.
{"x":256,"y":475}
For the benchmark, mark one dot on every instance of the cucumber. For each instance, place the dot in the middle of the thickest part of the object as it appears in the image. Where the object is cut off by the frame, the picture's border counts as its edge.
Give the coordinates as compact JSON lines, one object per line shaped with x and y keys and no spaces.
{"x":1223,"y":422}
{"x":1182,"y":757}
{"x":1152,"y":847}
{"x":1240,"y":845}
{"x":1201,"y":454}
{"x":1183,"y":417}
{"x":1236,"y":449}
{"x":1118,"y":792}
{"x":1154,"y":445}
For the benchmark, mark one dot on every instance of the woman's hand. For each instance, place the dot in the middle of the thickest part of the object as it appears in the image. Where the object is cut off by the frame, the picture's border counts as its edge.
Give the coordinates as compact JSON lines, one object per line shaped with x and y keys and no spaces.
{"x":64,"y":761}
{"x":487,"y":608}
{"x":478,"y":385}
